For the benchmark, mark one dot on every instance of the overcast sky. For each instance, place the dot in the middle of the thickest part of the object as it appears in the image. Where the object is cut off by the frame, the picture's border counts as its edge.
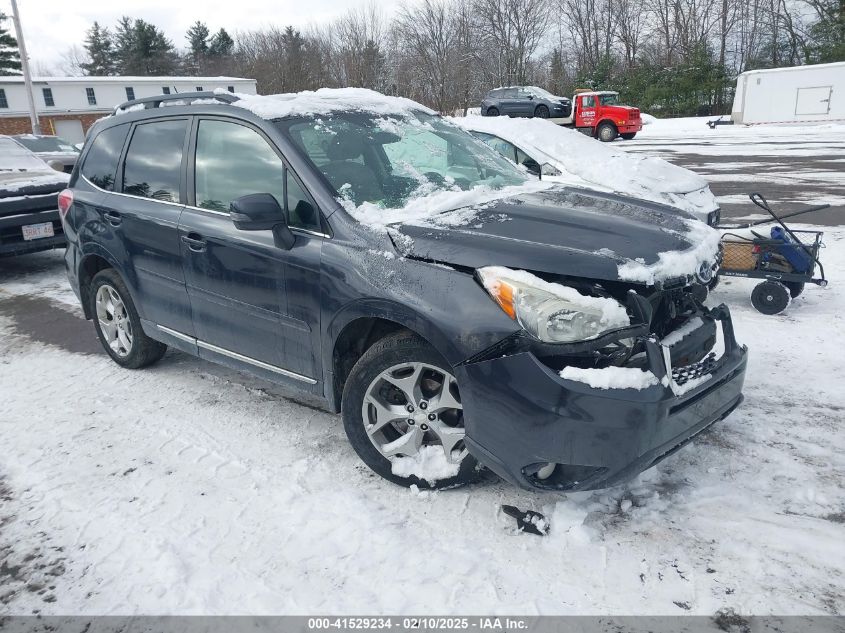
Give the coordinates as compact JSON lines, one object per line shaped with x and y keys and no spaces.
{"x":52,"y":26}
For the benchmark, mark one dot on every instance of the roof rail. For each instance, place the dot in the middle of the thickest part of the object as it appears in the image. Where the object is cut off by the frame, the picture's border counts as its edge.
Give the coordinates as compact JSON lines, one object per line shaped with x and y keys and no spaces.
{"x":151,"y":103}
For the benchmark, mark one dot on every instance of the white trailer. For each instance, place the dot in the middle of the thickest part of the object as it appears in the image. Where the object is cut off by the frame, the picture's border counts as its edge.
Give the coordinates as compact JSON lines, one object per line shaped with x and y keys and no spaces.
{"x":790,"y":95}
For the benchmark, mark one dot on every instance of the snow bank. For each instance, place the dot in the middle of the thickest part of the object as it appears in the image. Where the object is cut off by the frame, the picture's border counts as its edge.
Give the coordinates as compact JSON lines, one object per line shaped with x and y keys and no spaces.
{"x":672,"y":264}
{"x":429,"y":463}
{"x":325,"y":101}
{"x":611,"y":377}
{"x":613,"y":314}
{"x":591,"y":164}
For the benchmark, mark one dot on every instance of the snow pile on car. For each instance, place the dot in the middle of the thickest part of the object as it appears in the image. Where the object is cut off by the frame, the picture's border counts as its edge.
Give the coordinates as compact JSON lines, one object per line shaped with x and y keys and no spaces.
{"x":326,"y":101}
{"x":611,"y":377}
{"x":587,"y":163}
{"x":674,"y":264}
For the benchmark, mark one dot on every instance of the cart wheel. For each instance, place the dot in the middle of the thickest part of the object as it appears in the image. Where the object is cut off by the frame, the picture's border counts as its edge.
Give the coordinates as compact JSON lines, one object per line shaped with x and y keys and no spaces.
{"x":795,"y":288}
{"x":770,"y":297}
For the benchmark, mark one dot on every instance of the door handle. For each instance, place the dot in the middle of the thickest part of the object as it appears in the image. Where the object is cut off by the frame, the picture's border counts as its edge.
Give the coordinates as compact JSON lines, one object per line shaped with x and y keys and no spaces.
{"x":112,"y":217}
{"x":194,"y":242}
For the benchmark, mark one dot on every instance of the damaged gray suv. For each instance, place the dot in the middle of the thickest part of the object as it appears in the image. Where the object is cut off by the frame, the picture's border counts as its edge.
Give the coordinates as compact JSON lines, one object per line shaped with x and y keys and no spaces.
{"x":457,"y":311}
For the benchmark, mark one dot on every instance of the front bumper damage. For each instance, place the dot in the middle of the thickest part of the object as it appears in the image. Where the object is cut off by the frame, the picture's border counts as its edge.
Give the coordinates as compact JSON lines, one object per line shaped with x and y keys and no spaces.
{"x":521,"y":415}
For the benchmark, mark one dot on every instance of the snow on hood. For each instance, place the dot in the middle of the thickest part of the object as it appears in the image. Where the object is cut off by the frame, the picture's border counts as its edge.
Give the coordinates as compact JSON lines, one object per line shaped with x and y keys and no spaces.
{"x":14,"y":183}
{"x":443,"y":208}
{"x":325,"y":101}
{"x":587,"y":163}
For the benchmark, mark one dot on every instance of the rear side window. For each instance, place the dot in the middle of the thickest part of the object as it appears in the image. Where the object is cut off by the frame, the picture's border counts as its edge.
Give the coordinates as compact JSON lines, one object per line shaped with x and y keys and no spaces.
{"x":154,"y":160}
{"x":101,"y":161}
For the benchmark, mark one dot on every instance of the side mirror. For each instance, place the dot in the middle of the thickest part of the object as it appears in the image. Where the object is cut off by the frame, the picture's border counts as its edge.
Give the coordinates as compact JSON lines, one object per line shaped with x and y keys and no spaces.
{"x":56,"y":164}
{"x":262,"y":212}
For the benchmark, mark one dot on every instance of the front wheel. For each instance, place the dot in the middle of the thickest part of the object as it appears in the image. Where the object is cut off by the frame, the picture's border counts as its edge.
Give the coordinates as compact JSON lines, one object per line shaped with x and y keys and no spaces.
{"x":118,"y":324}
{"x":492,"y":111}
{"x":541,"y":112}
{"x":607,"y":132}
{"x":403,"y":415}
{"x":628,"y":135}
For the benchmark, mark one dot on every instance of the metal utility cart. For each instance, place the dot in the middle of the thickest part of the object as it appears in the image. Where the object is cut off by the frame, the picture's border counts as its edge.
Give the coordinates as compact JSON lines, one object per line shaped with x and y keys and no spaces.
{"x":782,"y":259}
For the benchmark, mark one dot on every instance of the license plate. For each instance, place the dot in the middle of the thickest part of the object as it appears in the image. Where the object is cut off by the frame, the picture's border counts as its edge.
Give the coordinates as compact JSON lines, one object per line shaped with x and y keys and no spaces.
{"x":37,"y":231}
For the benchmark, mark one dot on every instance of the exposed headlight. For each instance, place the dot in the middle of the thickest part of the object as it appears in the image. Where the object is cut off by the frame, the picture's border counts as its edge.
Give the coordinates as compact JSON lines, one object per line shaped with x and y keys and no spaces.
{"x":551,"y":312}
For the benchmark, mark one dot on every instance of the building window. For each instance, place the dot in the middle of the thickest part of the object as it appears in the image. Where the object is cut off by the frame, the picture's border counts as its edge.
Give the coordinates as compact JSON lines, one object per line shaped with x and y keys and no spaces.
{"x":92,"y":98}
{"x":3,"y":102}
{"x":165,"y":90}
{"x":130,"y":93}
{"x":48,"y":97}
{"x":199,"y":88}
{"x":231,"y":89}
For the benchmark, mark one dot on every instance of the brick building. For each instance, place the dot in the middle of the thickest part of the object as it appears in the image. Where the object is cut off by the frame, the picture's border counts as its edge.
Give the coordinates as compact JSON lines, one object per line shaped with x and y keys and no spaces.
{"x":68,"y":106}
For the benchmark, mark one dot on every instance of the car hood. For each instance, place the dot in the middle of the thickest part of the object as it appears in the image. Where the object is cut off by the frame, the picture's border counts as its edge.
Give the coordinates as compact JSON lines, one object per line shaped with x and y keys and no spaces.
{"x":566,"y":231}
{"x":31,"y":182}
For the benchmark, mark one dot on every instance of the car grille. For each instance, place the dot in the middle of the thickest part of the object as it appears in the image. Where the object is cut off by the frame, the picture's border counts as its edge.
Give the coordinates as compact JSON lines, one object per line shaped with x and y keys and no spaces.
{"x":704,"y":367}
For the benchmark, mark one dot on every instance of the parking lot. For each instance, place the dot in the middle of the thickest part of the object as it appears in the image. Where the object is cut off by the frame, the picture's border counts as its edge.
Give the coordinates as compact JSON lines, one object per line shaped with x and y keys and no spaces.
{"x":189,"y":488}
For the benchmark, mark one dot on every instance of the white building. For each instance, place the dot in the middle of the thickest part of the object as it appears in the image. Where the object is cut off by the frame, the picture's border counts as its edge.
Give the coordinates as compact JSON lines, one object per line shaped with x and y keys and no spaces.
{"x":783,"y":95}
{"x":68,"y":106}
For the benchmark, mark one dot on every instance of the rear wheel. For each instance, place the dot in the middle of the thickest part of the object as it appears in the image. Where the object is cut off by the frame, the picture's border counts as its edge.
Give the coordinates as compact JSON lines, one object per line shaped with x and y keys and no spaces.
{"x":118,"y":324}
{"x":606,"y":132}
{"x":770,"y":297}
{"x":403,"y":415}
{"x":492,"y":111}
{"x":628,"y":135}
{"x":541,"y":112}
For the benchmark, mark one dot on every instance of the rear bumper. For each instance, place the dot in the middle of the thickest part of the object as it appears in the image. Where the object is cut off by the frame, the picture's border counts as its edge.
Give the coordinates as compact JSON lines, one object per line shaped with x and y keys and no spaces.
{"x":520,"y":413}
{"x":11,"y":233}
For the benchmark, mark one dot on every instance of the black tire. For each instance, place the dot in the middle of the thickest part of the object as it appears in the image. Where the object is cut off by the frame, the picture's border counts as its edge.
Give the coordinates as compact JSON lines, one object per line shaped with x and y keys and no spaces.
{"x":700,"y":292}
{"x":628,"y":135}
{"x":606,"y":132}
{"x":144,"y":350}
{"x":491,"y":111}
{"x":713,"y":283}
{"x":770,"y":297}
{"x":795,"y":288}
{"x":541,"y":112}
{"x":389,"y":351}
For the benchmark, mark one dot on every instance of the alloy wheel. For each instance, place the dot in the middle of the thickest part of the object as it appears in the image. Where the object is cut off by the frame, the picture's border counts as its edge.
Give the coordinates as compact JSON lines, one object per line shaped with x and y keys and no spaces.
{"x":114,"y":320}
{"x":412,"y":405}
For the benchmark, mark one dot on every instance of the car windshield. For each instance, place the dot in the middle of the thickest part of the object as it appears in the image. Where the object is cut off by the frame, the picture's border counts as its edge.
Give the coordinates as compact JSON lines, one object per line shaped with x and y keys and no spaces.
{"x":13,"y":157}
{"x":47,"y":144}
{"x":388,"y":160}
{"x":611,"y":99}
{"x":541,"y":93}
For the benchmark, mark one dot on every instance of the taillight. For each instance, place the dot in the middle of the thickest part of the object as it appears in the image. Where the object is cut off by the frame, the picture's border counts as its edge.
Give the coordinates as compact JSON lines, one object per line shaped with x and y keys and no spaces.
{"x":65,"y":200}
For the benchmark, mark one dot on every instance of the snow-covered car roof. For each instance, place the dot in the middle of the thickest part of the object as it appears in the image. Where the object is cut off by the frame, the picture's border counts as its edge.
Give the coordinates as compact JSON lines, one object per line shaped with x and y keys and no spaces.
{"x":325,"y":101}
{"x":586,"y":162}
{"x":16,"y":157}
{"x":21,"y":169}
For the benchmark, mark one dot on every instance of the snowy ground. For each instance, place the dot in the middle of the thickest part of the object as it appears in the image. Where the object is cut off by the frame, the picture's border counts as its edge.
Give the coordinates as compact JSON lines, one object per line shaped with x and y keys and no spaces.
{"x":789,"y":164}
{"x":187,"y":488}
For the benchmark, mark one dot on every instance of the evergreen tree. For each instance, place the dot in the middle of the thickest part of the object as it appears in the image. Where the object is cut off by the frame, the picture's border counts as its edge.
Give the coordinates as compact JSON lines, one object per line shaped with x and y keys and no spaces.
{"x":142,"y":49}
{"x":10,"y":59}
{"x":98,"y":45}
{"x":294,"y":78}
{"x":197,"y":37}
{"x":221,"y":44}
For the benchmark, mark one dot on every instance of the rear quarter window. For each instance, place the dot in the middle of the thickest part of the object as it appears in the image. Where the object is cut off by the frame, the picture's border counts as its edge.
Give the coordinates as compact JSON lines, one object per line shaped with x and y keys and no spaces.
{"x":100,"y":163}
